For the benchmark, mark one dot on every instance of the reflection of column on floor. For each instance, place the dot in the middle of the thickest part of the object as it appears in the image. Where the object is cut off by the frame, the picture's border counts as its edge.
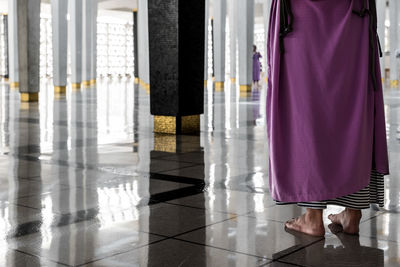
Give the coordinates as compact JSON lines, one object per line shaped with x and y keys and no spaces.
{"x":245,"y":45}
{"x":6,"y":71}
{"x":394,"y":38}
{"x":86,"y":42}
{"x":233,"y":23}
{"x":59,"y":10}
{"x":206,"y":42}
{"x":13,"y":43}
{"x":176,"y":31}
{"x":93,"y":27}
{"x":28,"y":12}
{"x":267,"y":8}
{"x":135,"y":46}
{"x":219,"y":9}
{"x":75,"y":40}
{"x":381,"y":13}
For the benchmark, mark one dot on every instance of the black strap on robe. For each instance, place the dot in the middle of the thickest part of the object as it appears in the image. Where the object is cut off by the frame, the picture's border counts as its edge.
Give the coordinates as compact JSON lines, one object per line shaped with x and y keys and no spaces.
{"x":373,"y":26}
{"x":286,"y":23}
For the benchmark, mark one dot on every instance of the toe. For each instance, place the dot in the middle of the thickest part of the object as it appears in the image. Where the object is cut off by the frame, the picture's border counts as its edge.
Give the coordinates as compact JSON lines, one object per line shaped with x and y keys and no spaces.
{"x":333,"y":218}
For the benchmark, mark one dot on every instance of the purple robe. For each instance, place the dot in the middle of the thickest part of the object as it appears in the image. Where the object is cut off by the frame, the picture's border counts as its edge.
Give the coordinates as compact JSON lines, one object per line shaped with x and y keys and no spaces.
{"x":256,"y":66}
{"x":325,"y":122}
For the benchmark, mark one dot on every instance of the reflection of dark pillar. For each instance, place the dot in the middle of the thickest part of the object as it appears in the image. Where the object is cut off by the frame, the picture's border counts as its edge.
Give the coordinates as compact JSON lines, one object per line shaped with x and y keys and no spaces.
{"x":135,"y":46}
{"x":176,"y":38}
{"x":5,"y":25}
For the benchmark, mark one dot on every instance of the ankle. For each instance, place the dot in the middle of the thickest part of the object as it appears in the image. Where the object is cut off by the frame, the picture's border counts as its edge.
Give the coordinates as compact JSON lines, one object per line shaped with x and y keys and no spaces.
{"x":353,"y":213}
{"x":314,"y":215}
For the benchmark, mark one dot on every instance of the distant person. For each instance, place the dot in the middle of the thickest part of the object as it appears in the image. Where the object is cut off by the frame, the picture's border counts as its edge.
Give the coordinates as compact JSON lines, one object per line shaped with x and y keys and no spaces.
{"x":325,"y":112}
{"x":256,"y":65}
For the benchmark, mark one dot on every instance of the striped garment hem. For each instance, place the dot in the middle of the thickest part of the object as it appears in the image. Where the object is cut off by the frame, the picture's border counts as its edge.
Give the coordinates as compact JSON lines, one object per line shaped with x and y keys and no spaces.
{"x":372,"y":194}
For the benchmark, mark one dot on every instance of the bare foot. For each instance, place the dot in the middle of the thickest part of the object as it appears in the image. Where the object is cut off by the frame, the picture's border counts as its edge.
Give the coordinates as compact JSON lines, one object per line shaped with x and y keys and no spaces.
{"x":309,"y":223}
{"x":349,"y":219}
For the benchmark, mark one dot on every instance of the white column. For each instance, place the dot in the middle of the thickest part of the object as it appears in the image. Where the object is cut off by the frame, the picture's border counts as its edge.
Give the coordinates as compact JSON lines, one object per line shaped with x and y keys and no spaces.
{"x":94,"y":42}
{"x":233,"y":22}
{"x":381,"y":13}
{"x":267,"y":9}
{"x":13,"y":43}
{"x":28,"y":49}
{"x":86,"y":42}
{"x":245,"y":43}
{"x":75,"y":41}
{"x":143,"y":43}
{"x":394,"y":8}
{"x":219,"y":42}
{"x":207,"y":17}
{"x":59,"y":10}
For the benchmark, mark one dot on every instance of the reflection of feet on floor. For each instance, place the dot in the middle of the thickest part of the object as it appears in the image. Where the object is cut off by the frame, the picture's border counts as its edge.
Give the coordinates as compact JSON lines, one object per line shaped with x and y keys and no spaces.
{"x":306,"y":225}
{"x":348,"y":219}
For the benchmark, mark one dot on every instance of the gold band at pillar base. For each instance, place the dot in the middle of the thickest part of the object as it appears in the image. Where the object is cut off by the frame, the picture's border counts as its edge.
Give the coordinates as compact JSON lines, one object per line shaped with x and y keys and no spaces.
{"x":60,"y":89}
{"x":177,"y":125}
{"x":86,"y":84}
{"x":30,"y":97}
{"x":245,"y":88}
{"x":383,"y":80}
{"x":76,"y":86}
{"x":205,"y":83}
{"x":394,"y":83}
{"x":145,"y":85}
{"x":93,"y":82}
{"x":6,"y":79}
{"x":136,"y":80}
{"x":219,"y":86}
{"x":233,"y":80}
{"x":14,"y":84}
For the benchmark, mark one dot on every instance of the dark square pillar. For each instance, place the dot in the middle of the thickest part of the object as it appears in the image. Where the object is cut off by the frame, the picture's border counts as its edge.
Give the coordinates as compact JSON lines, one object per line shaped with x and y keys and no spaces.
{"x":176,"y":38}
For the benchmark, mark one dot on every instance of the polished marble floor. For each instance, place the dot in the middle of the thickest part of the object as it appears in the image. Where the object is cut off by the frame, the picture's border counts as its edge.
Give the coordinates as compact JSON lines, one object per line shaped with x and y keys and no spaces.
{"x":85,"y":182}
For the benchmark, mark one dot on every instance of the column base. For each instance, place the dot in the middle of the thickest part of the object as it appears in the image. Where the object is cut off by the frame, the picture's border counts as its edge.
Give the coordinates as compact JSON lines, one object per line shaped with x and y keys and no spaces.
{"x":245,"y":88}
{"x":30,"y":97}
{"x":60,"y":89}
{"x":76,"y":86}
{"x":136,"y":80}
{"x":394,"y":83}
{"x":86,"y":84}
{"x":14,"y":85}
{"x":233,"y":80}
{"x":177,"y":125}
{"x":219,"y":86}
{"x":93,"y":82}
{"x":205,"y":83}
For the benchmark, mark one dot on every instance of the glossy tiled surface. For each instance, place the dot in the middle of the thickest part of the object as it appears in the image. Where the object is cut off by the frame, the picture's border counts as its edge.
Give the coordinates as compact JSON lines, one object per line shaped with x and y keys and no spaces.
{"x":85,"y":182}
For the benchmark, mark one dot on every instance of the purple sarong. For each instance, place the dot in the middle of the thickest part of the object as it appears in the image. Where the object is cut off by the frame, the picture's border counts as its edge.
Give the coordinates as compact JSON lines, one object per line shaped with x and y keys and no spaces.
{"x":325,"y":121}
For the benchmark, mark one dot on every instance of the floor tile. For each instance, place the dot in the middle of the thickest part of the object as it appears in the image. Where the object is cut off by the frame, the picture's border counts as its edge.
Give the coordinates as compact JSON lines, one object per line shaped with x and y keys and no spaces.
{"x":383,"y":227}
{"x":347,"y":250}
{"x":179,"y":253}
{"x":220,"y":200}
{"x":82,"y":242}
{"x":250,"y":236}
